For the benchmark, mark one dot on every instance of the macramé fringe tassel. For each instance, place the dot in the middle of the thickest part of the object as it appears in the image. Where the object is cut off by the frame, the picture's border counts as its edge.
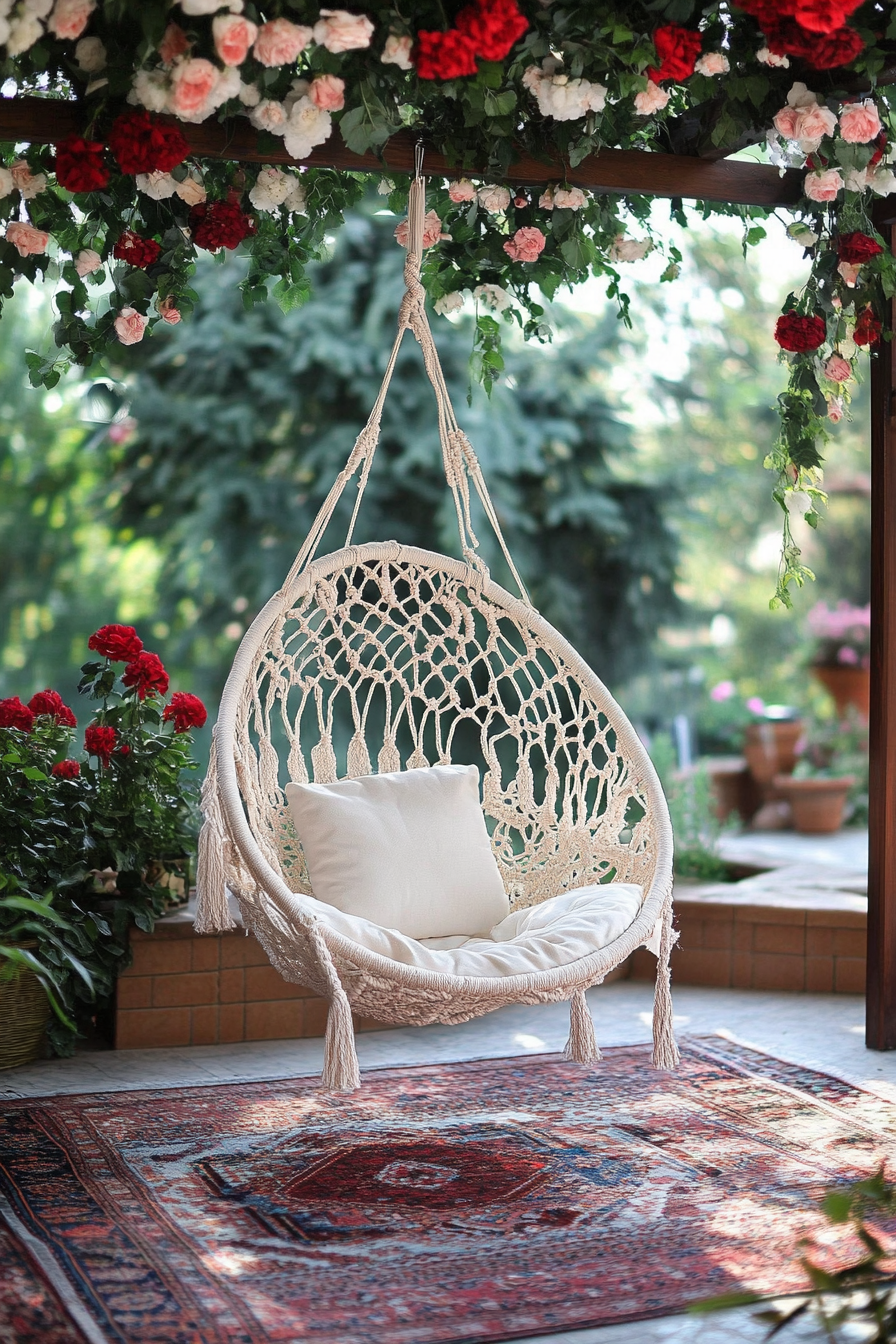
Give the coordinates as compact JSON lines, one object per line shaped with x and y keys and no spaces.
{"x":340,"y":1072}
{"x":665,"y":1051}
{"x":582,"y":1044}
{"x":212,"y":911}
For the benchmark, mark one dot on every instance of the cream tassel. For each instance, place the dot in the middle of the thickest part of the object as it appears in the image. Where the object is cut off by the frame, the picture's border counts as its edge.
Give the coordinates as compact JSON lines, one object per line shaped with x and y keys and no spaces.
{"x":212,"y":911}
{"x":582,"y":1044}
{"x":665,"y":1051}
{"x":340,"y":1072}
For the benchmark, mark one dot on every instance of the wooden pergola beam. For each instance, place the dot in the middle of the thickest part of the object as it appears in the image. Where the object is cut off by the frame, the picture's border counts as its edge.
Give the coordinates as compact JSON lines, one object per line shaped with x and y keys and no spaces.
{"x":44,"y":121}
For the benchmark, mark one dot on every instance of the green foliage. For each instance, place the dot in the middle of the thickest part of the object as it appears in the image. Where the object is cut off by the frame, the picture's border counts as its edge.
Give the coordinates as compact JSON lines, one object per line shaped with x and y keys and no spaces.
{"x":244,"y":421}
{"x":694,"y":823}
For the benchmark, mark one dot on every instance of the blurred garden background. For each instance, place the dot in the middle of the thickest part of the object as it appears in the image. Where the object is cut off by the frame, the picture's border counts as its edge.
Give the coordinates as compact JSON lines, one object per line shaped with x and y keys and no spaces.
{"x":172,"y":491}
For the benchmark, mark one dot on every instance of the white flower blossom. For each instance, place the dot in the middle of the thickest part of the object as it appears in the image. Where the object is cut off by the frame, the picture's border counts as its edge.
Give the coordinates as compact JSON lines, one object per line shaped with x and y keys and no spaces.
{"x":493,"y":296}
{"x":493,"y":199}
{"x":308,"y":126}
{"x":766,"y":57}
{"x":158,"y":186}
{"x":269,"y":115}
{"x":297,"y":89}
{"x":882,"y":181}
{"x":190,"y":191}
{"x":629,"y":249}
{"x":90,"y":55}
{"x":385,"y":186}
{"x":397,"y":51}
{"x":150,"y":90}
{"x":249,"y":94}
{"x":798,"y":502}
{"x":272,"y":186}
{"x":562,"y":198}
{"x":712,"y":63}
{"x":563,"y":98}
{"x":24,"y":31}
{"x":295,"y":201}
{"x":450,"y":303}
{"x":39,"y":8}
{"x":339,"y":31}
{"x":197,"y":8}
{"x":87,"y":261}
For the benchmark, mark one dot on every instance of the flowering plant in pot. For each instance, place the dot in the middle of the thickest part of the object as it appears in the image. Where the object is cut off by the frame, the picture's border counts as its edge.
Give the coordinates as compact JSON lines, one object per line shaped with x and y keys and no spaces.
{"x":842,"y":656}
{"x":829,"y":783}
{"x":86,"y":828}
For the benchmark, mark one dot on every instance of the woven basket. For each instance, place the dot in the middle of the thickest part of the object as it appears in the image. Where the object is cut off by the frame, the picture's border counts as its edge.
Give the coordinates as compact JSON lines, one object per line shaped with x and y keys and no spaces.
{"x":24,"y":1012}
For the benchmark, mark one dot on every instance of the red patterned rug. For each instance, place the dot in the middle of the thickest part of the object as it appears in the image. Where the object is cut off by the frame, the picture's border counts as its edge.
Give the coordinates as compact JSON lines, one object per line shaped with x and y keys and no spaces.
{"x":459,"y":1202}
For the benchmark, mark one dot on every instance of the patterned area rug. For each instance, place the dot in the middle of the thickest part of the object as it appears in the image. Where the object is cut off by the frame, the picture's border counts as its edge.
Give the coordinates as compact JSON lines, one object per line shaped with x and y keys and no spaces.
{"x":462,"y":1202}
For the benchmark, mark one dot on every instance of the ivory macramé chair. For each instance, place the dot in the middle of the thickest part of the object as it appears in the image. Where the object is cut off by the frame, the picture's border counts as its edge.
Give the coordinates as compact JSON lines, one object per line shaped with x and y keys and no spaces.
{"x":421,"y":651}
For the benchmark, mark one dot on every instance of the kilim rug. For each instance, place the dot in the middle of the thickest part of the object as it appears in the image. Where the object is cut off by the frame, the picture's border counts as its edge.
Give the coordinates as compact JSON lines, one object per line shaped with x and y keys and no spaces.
{"x":457,"y":1202}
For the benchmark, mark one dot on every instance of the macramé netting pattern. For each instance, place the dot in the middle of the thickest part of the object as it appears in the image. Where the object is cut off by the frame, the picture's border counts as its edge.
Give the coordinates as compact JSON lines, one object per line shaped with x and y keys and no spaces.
{"x":401,"y":655}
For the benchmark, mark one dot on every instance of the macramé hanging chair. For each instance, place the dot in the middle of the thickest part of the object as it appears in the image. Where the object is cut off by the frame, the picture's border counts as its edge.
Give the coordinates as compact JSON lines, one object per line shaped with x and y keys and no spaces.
{"x":426,"y":653}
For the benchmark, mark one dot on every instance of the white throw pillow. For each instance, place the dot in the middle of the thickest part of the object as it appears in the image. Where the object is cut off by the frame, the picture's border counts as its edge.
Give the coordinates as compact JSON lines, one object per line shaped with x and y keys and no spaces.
{"x":409,"y":851}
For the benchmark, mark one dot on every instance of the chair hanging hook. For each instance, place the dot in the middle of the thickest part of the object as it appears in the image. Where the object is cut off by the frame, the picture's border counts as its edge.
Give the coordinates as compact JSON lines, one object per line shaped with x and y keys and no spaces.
{"x":418,"y":161}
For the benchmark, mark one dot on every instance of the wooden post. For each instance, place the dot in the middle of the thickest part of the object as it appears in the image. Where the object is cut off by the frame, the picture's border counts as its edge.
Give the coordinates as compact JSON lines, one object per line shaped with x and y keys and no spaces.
{"x":880,"y":1020}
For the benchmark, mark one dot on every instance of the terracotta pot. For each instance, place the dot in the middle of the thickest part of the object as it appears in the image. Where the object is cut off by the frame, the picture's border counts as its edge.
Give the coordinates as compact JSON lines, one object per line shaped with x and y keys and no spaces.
{"x":848,"y":686}
{"x":734,"y":788}
{"x":817,"y":804}
{"x":770,"y":748}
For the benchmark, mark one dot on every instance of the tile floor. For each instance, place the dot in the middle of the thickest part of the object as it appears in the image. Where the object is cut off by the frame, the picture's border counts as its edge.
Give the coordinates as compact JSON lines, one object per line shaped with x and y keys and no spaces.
{"x":824,"y":1031}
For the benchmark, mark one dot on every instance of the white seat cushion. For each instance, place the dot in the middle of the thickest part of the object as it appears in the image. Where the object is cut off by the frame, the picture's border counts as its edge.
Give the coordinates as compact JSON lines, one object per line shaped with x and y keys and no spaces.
{"x":408,"y":850}
{"x":539,"y":938}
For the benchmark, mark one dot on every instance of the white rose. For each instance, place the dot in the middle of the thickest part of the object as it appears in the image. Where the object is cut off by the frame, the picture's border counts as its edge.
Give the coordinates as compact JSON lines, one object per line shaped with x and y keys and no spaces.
{"x":90,"y":55}
{"x":766,"y":57}
{"x":855,"y":179}
{"x":249,"y":95}
{"x":713,"y":63}
{"x":308,"y":126}
{"x":158,"y":186}
{"x":87,"y":261}
{"x":449,"y":303}
{"x":882,"y":181}
{"x":190,"y":191}
{"x":397,"y":51}
{"x":493,"y":199}
{"x":295,"y":201}
{"x":629,"y":249}
{"x":297,"y":89}
{"x":24,"y":31}
{"x":272,"y":186}
{"x":150,"y":90}
{"x":385,"y":186}
{"x":798,"y":502}
{"x":493,"y":296}
{"x":269,"y":115}
{"x":337,"y":30}
{"x":567,"y":99}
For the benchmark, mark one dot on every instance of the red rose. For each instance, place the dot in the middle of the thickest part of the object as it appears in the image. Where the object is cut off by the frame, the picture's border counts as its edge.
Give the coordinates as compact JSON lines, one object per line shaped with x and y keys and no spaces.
{"x":13,"y":714}
{"x":66,"y":770}
{"x":817,"y":16}
{"x":136,"y":251}
{"x":678,"y":49}
{"x":822,"y":51}
{"x":220,"y":224}
{"x":857,"y":248}
{"x":79,"y":164}
{"x":146,"y":674}
{"x":868,"y":328}
{"x":185,"y":711}
{"x":118,"y":643}
{"x":445,"y":55}
{"x":800,"y":334}
{"x":142,"y":144}
{"x":51,"y":704}
{"x":492,"y":26}
{"x":99,"y":741}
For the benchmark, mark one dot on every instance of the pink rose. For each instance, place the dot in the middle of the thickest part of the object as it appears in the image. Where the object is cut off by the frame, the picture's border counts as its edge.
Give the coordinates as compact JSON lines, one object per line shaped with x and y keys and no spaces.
{"x":849,"y":273}
{"x":192,"y":83}
{"x":87,"y":261}
{"x":129,"y":326}
{"x":174,"y":43}
{"x":785,"y":122}
{"x":525,"y":245}
{"x":713,"y":63}
{"x":337,"y":30}
{"x":328,"y":92}
{"x":653,"y":99}
{"x":397,"y":51}
{"x":461,"y":190}
{"x":167,"y":311}
{"x":69,"y":18}
{"x":26,"y":239}
{"x":233,"y":36}
{"x":835,"y":409}
{"x":569,"y":198}
{"x":279,"y":42}
{"x":812,"y":124}
{"x":860,"y":122}
{"x":432,"y":230}
{"x":823,"y":186}
{"x":838,"y":369}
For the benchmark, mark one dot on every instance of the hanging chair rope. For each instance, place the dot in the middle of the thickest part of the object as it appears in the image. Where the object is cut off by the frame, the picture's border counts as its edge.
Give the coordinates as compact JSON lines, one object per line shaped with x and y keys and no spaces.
{"x":459,"y":461}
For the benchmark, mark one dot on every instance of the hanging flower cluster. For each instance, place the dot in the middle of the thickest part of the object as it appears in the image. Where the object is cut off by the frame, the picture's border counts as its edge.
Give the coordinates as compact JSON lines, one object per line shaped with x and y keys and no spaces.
{"x":121,"y":208}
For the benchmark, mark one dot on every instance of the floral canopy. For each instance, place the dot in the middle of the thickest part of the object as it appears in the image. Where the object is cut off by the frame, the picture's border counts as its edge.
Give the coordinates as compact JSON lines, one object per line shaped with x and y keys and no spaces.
{"x":119,"y":212}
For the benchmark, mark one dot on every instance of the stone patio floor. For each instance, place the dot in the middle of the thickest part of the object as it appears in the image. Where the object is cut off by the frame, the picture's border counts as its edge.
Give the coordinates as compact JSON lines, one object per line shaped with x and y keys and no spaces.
{"x":823,"y":1031}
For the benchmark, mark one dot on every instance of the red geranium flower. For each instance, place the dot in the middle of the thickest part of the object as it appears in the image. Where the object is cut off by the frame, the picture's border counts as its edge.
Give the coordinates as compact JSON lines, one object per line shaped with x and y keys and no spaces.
{"x":146,"y":674}
{"x":822,"y":51}
{"x":66,"y":770}
{"x":678,"y":49}
{"x":51,"y":704}
{"x":219,"y":224}
{"x":13,"y":714}
{"x":818,"y":16}
{"x":118,"y":643}
{"x":136,"y":251}
{"x":492,"y":26}
{"x":99,"y":741}
{"x":186,"y":711}
{"x":800,"y":334}
{"x":857,"y":248}
{"x":79,"y":164}
{"x":142,"y":144}
{"x":868,"y":328}
{"x":445,"y":55}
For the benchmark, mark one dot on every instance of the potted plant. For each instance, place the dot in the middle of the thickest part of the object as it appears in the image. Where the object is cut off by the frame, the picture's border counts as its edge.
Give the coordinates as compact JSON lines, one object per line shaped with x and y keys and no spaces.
{"x":831,"y":777}
{"x":842,"y":658}
{"x":91,"y":838}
